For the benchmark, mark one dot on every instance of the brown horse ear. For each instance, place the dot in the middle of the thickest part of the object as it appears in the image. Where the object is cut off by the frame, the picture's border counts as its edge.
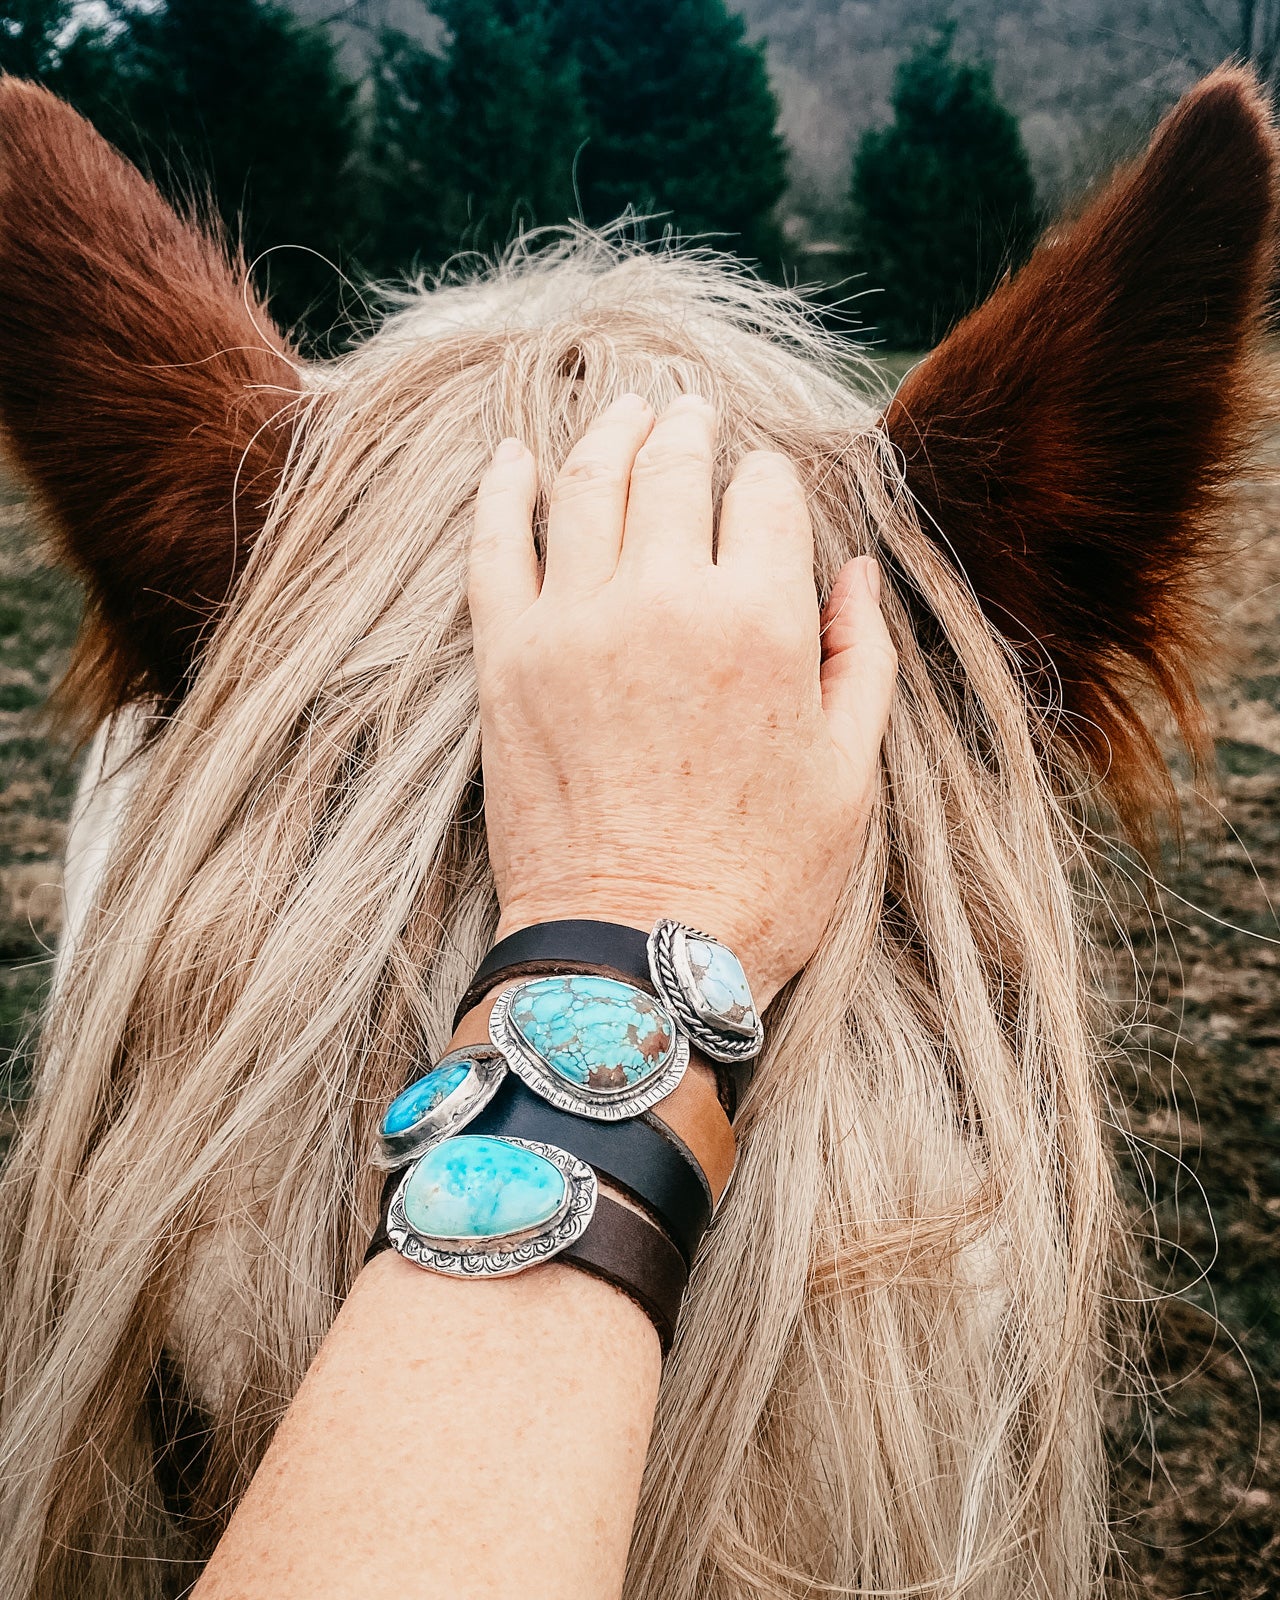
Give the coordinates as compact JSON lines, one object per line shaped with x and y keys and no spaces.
{"x":1070,"y":441}
{"x":145,"y":397}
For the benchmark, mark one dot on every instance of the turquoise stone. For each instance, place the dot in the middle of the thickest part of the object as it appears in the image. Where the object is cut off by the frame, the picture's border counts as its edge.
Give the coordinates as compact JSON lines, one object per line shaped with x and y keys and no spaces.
{"x":721,"y":984}
{"x":474,"y":1188}
{"x":412,"y":1104}
{"x":595,"y":1033}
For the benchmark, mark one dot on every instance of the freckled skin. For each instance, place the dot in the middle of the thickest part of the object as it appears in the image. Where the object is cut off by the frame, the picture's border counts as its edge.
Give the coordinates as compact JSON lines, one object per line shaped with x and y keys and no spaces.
{"x":610,"y":790}
{"x":686,"y":737}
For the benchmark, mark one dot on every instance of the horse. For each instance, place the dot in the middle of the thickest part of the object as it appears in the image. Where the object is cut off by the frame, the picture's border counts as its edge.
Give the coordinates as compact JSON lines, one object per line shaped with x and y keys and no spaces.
{"x":890,"y":1373}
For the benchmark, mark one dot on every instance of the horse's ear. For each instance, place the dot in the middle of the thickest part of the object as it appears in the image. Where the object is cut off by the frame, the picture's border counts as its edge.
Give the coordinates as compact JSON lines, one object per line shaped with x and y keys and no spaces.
{"x":1070,"y":441}
{"x":144,"y":395}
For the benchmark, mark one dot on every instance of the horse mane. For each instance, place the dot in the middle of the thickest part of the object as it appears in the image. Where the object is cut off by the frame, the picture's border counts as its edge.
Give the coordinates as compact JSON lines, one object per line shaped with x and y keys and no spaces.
{"x":889,"y":1384}
{"x":893,"y":1383}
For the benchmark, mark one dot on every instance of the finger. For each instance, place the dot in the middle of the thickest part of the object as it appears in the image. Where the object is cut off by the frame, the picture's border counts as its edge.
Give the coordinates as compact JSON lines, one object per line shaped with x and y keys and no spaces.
{"x":669,"y":519}
{"x":764,"y":522}
{"x":859,"y":665}
{"x":502,"y":568}
{"x":589,"y":499}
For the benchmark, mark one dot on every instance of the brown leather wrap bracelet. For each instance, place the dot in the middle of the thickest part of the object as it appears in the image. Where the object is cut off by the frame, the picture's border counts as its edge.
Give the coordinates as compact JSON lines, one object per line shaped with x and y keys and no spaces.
{"x":674,"y":1161}
{"x":581,"y":944}
{"x":620,"y":1246}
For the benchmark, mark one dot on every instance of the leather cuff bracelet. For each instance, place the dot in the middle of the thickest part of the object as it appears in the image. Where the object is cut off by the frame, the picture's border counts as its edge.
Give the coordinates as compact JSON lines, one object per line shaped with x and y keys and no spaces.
{"x":642,"y":1156}
{"x":619,"y":1246}
{"x":645,"y":1156}
{"x":498,"y":1151}
{"x":558,"y":947}
{"x":698,"y":979}
{"x":472,"y":1203}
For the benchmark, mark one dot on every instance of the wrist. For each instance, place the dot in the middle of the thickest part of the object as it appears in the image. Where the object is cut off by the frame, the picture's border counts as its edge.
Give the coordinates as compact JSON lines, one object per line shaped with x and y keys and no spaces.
{"x":641,"y":907}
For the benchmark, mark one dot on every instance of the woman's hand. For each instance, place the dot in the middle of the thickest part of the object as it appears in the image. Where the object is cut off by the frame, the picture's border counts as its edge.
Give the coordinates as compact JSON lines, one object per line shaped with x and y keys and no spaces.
{"x":665,"y":735}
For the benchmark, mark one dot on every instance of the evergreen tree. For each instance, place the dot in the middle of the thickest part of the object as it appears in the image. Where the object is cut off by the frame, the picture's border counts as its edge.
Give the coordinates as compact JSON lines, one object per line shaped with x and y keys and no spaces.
{"x":682,"y":118}
{"x":943,"y":199}
{"x":240,"y":100}
{"x":29,"y":34}
{"x":469,"y":148}
{"x":51,"y":41}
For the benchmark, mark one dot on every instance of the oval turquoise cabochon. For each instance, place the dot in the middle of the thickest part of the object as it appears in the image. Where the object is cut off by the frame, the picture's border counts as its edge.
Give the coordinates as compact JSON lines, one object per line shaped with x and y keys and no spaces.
{"x":413,"y":1103}
{"x":475,"y":1188}
{"x":595,"y":1033}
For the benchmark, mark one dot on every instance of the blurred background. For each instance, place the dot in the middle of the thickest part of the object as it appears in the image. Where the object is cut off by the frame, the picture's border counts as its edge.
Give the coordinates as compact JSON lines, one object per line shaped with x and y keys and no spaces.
{"x":894,"y":157}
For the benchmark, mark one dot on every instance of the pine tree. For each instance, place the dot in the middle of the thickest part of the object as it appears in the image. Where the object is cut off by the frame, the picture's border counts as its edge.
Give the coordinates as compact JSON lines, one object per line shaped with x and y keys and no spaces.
{"x":943,"y":199}
{"x":682,"y":118}
{"x":54,"y":42}
{"x":472,"y":147}
{"x":241,"y":101}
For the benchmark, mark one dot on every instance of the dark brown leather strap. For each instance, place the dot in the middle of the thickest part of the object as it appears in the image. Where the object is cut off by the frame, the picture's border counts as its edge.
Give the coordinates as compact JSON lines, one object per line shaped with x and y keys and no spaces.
{"x":381,"y":1238}
{"x":549,"y":948}
{"x":619,"y":1245}
{"x":628,"y":1251}
{"x":692,"y":1112}
{"x":557,"y":949}
{"x":638,"y":1154}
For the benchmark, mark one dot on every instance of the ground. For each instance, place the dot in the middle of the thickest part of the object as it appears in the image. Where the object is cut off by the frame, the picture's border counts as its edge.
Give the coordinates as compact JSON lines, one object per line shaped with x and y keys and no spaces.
{"x":1199,"y":1482}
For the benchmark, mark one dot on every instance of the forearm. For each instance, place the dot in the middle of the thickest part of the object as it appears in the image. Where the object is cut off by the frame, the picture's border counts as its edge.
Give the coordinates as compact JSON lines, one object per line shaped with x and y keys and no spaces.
{"x":486,"y":1437}
{"x":455,"y":1438}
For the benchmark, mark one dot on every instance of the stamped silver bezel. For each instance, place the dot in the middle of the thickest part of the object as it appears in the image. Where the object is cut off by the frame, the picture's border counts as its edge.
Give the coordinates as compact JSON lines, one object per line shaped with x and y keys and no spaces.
{"x":499,"y":1258}
{"x":602,"y":1105}
{"x":455,"y":1111}
{"x":673,"y":978}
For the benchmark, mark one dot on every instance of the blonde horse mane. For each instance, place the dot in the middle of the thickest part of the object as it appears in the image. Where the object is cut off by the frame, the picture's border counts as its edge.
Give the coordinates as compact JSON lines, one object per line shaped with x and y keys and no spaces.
{"x":889,"y":1373}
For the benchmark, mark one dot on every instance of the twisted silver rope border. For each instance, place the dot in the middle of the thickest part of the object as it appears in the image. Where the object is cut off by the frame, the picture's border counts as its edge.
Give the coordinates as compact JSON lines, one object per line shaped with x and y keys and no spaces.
{"x":666,"y":980}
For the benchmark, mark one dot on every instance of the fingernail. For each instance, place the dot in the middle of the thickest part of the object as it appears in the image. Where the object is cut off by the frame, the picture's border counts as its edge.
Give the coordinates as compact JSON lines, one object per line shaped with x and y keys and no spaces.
{"x":630,"y":402}
{"x":509,"y":450}
{"x":872,"y":570}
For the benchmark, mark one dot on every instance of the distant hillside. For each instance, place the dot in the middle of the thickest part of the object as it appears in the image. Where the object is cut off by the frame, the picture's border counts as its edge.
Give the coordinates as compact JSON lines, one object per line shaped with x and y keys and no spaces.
{"x":1087,"y":78}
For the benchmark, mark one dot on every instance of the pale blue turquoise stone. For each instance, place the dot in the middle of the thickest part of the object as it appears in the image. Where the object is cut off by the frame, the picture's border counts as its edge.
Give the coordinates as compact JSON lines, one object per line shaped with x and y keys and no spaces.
{"x":412,"y":1104}
{"x":721,"y":983}
{"x":473,"y":1188}
{"x":595,"y":1033}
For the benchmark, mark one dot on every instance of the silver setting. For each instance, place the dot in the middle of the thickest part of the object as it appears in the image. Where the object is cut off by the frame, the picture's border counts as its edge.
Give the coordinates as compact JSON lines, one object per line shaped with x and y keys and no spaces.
{"x":510,"y":1253}
{"x":601,"y":1105}
{"x":673,"y":978}
{"x":455,"y":1111}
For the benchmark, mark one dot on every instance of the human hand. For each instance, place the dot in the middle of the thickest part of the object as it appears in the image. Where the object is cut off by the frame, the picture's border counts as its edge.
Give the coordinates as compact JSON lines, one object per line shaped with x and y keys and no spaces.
{"x":664,"y":735}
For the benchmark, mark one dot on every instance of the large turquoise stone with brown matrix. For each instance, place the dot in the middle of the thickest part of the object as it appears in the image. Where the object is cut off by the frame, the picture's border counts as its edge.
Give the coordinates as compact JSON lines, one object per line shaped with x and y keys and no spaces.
{"x":595,"y":1033}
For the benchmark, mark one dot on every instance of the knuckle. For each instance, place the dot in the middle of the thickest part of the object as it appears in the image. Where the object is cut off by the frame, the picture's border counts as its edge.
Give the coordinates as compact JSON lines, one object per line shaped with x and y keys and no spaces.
{"x":771,"y":467}
{"x":672,"y":456}
{"x":585,"y":473}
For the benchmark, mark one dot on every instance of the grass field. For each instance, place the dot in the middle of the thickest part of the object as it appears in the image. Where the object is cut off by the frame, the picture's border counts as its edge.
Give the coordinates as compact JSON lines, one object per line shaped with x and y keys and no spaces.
{"x":39,"y":608}
{"x":1200,"y":1487}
